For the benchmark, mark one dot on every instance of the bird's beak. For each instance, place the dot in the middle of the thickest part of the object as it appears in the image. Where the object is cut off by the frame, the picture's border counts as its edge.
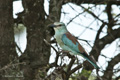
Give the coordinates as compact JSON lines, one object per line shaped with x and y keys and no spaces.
{"x":52,"y":25}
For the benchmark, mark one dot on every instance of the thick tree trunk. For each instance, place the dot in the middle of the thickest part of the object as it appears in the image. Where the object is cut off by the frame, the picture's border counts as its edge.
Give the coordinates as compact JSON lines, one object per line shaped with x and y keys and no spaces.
{"x":37,"y":53}
{"x":7,"y":45}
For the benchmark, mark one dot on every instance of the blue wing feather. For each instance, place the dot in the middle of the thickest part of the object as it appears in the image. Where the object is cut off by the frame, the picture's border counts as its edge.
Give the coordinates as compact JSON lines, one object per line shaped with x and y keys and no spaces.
{"x":69,"y":43}
{"x":74,"y":45}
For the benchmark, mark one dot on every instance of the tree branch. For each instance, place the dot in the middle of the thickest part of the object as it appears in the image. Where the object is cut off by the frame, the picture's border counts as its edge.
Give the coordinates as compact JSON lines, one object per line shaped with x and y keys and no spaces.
{"x":74,"y":69}
{"x":100,"y":44}
{"x":78,"y":2}
{"x":117,"y":78}
{"x":70,"y":64}
{"x":90,"y":12}
{"x":99,"y":31}
{"x":55,"y":10}
{"x":109,"y":70}
{"x":110,"y":17}
{"x":57,"y":54}
{"x":74,"y":18}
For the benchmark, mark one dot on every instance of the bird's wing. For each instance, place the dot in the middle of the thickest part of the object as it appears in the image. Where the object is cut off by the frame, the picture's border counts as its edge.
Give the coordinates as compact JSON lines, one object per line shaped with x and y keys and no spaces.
{"x":70,"y":41}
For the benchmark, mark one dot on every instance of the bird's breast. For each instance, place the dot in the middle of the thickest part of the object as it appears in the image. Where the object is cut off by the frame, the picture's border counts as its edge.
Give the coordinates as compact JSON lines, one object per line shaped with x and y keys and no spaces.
{"x":62,"y":45}
{"x":59,"y":40}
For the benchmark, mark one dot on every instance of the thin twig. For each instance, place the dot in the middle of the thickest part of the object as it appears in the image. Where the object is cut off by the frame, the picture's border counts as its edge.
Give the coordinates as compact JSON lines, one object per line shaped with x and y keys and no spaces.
{"x":90,"y":12}
{"x":85,"y":41}
{"x":50,"y":45}
{"x":57,"y":53}
{"x":74,"y":17}
{"x":18,"y":48}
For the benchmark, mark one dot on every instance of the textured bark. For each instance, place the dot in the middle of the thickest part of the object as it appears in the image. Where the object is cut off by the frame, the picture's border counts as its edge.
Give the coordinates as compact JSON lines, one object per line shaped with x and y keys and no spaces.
{"x":7,"y":45}
{"x":37,"y":53}
{"x":55,"y":10}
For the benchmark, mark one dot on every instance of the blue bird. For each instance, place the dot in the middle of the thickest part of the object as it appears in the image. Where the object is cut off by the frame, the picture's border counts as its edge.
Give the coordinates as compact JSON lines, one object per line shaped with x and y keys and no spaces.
{"x":69,"y":43}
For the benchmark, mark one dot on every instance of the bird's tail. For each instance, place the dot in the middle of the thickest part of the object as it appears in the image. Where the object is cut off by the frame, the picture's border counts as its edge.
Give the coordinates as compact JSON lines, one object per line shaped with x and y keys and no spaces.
{"x":91,"y":60}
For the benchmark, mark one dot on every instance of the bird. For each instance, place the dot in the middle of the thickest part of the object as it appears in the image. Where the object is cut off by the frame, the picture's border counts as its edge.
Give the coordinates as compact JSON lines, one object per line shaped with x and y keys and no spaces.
{"x":69,"y":43}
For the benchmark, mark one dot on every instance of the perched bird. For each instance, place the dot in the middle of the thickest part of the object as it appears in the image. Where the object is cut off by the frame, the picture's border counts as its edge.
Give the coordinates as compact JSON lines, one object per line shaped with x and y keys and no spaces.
{"x":69,"y":43}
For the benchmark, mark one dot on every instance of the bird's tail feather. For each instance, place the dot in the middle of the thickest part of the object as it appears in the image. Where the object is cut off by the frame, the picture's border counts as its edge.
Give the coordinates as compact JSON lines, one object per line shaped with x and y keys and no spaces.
{"x":90,"y":59}
{"x":92,"y":62}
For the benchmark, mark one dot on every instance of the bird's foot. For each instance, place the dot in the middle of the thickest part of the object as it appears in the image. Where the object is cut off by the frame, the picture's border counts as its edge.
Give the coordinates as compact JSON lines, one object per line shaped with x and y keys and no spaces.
{"x":67,"y":53}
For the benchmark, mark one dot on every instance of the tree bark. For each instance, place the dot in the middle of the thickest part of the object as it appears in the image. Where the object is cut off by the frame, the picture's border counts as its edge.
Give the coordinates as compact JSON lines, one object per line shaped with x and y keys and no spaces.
{"x":7,"y":45}
{"x":37,"y":53}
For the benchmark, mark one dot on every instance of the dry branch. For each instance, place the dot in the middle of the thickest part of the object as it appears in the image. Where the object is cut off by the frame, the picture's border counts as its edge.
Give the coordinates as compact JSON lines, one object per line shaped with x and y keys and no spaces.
{"x":109,"y":70}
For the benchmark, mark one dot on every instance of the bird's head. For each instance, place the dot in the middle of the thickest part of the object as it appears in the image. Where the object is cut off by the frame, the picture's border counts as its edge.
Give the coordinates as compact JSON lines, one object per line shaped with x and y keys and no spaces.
{"x":58,"y":26}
